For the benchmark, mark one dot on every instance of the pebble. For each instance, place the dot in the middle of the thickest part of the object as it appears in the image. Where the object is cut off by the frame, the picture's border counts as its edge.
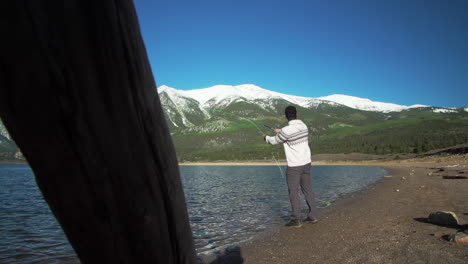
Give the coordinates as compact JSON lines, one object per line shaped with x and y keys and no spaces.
{"x":459,"y":238}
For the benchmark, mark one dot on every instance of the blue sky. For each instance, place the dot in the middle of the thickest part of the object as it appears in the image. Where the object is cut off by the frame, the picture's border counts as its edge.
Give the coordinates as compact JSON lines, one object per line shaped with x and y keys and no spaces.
{"x":404,"y":52}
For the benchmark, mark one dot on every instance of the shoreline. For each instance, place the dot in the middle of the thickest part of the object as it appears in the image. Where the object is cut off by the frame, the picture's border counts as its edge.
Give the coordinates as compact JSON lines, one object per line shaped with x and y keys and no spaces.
{"x":232,"y":254}
{"x":386,"y":223}
{"x":13,"y":162}
{"x":281,"y":163}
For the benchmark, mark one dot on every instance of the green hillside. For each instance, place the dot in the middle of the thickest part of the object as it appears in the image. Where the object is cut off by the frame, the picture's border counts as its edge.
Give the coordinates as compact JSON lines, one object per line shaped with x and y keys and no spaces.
{"x":333,"y":129}
{"x":233,"y":131}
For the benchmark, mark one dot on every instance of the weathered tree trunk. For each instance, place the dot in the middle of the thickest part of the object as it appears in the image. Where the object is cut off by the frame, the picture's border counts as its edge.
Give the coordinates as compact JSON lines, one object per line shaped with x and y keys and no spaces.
{"x":78,"y":97}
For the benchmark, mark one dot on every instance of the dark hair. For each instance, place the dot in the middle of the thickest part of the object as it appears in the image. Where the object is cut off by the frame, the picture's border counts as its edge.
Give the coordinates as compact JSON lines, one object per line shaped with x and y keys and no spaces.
{"x":290,"y":112}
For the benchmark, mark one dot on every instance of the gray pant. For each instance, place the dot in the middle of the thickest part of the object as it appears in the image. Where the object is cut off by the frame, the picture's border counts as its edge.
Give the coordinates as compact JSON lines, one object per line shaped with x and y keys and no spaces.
{"x":300,"y":176}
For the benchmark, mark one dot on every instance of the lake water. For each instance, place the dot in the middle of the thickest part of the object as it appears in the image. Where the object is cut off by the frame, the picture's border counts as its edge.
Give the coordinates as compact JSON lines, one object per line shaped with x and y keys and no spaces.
{"x":227,"y":205}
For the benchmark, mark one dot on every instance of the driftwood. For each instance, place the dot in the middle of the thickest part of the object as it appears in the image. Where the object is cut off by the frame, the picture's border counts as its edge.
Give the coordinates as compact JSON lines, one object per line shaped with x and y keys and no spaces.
{"x":454,"y":177}
{"x":78,"y":97}
{"x":448,"y":172}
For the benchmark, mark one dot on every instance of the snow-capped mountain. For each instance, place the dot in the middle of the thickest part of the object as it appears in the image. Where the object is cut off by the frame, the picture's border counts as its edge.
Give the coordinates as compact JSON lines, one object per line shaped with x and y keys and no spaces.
{"x":189,"y":108}
{"x":226,"y":94}
{"x":226,"y":122}
{"x":367,"y":104}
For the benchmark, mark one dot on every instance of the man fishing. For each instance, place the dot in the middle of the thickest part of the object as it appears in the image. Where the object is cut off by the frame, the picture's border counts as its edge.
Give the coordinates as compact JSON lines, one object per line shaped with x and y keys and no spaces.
{"x":295,"y":137}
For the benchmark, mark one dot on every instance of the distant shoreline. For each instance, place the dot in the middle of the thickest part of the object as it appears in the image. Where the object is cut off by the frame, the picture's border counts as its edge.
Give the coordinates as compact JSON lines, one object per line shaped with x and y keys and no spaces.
{"x":280,"y":163}
{"x":12,"y":162}
{"x":233,"y":163}
{"x":318,"y":159}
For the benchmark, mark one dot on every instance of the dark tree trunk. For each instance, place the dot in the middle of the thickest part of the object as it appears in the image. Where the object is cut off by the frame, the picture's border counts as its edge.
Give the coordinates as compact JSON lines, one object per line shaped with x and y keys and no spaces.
{"x":78,"y":97}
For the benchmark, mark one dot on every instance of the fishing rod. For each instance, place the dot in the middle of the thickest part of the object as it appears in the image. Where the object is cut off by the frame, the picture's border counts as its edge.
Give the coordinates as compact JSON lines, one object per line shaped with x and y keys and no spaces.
{"x":324,"y":203}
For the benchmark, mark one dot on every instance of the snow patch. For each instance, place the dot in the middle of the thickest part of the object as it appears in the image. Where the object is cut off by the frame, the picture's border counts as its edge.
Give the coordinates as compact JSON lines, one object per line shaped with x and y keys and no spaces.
{"x":418,"y":106}
{"x":444,"y":110}
{"x":366,"y":104}
{"x":174,"y":123}
{"x":225,"y":94}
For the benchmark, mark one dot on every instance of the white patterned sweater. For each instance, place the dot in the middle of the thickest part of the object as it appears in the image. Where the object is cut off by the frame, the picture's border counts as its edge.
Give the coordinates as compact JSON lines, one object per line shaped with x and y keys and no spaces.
{"x":295,"y":137}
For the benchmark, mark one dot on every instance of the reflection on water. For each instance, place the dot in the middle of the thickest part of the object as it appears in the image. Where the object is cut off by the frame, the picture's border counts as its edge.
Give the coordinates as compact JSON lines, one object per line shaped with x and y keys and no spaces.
{"x":230,"y":204}
{"x":227,"y":204}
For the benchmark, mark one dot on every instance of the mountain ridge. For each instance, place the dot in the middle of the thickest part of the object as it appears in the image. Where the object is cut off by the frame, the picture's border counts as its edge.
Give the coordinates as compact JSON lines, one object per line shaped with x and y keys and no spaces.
{"x":228,"y":93}
{"x":226,"y":123}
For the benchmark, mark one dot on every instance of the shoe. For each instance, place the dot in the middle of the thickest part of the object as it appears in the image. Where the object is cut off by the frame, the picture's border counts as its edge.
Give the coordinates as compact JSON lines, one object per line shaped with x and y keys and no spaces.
{"x":294,"y":223}
{"x":309,"y":220}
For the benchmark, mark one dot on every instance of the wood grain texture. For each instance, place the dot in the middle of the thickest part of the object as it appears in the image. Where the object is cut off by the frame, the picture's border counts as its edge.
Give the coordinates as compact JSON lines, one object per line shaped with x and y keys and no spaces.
{"x":78,"y":97}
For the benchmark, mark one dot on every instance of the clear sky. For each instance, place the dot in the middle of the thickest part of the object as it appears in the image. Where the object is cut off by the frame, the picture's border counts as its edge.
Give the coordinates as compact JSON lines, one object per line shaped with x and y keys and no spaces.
{"x":405,"y":52}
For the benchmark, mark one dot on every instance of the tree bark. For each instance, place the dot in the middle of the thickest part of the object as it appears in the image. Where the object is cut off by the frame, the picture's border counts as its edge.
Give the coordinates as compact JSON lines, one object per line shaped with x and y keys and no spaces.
{"x":79,"y":99}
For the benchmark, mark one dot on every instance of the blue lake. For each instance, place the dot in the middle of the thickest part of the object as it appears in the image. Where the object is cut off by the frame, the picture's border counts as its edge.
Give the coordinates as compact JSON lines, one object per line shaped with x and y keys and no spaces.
{"x":227,"y":205}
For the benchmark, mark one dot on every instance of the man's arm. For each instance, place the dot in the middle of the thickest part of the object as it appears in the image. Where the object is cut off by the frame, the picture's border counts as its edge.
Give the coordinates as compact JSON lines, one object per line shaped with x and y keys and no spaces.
{"x":280,"y":138}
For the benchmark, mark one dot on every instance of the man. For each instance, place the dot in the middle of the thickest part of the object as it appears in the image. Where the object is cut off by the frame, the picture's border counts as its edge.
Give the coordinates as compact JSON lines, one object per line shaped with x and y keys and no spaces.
{"x":295,"y":137}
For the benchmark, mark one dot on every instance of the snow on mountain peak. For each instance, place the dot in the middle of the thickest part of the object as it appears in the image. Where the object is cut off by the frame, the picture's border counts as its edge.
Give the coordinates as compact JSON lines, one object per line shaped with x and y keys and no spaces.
{"x":226,"y":94}
{"x":218,"y":93}
{"x":366,"y":104}
{"x":167,"y":89}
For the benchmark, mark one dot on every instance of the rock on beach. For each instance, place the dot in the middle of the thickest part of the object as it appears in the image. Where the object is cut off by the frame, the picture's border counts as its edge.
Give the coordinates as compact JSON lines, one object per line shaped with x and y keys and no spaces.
{"x":459,"y":238}
{"x":444,"y":218}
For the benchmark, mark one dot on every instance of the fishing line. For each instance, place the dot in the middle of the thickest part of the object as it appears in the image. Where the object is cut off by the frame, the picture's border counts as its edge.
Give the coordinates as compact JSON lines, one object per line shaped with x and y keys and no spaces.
{"x":242,"y":118}
{"x":252,"y":122}
{"x":326,"y":203}
{"x":279,"y":167}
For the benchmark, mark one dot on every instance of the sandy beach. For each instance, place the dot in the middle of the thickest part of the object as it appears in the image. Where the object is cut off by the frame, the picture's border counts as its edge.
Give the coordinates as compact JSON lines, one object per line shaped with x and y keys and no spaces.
{"x":386,"y":224}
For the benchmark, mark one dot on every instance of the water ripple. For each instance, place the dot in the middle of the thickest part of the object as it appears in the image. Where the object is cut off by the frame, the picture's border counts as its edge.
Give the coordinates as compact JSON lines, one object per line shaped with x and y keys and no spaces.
{"x":226,"y":204}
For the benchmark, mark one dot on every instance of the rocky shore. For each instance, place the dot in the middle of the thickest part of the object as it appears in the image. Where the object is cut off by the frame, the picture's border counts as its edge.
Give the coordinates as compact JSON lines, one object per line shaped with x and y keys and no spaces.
{"x":388,"y":223}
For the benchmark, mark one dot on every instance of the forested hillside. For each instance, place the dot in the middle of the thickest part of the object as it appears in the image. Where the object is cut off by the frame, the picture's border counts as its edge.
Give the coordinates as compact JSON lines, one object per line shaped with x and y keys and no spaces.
{"x":229,"y":125}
